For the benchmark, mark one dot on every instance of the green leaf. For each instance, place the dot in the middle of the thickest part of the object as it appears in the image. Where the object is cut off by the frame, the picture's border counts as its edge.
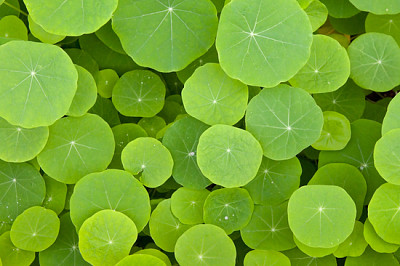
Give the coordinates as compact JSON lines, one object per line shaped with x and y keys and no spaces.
{"x":19,"y":144}
{"x":327,"y":69}
{"x":149,"y":158}
{"x":76,"y":147}
{"x":383,"y":212}
{"x":140,"y":259}
{"x":354,"y":245}
{"x":11,"y":27}
{"x":11,"y":255}
{"x":43,"y":35}
{"x":182,"y":139}
{"x":139,"y":93}
{"x":370,"y":258}
{"x":375,"y":241}
{"x":35,"y":229}
{"x":155,"y":253}
{"x":392,"y":119}
{"x":205,"y":244}
{"x":266,"y":257}
{"x":314,"y":252}
{"x":112,"y":189}
{"x":29,"y":73}
{"x":285,"y":120}
{"x":106,"y":237}
{"x":268,"y":229}
{"x":255,"y":42}
{"x":56,"y":193}
{"x":382,"y":7}
{"x":228,"y":156}
{"x":107,"y":35}
{"x":146,"y":26}
{"x":375,"y":57}
{"x":213,"y":97}
{"x":275,"y":181}
{"x":340,"y":8}
{"x":321,"y":216}
{"x":388,"y":24}
{"x":298,"y":258}
{"x":83,"y":17}
{"x":317,"y":13}
{"x":106,"y":80}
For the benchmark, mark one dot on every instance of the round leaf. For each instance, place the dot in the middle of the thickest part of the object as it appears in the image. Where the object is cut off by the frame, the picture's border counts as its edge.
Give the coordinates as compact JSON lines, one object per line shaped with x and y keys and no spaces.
{"x":140,"y":259}
{"x":375,"y":241}
{"x":256,"y":43}
{"x":340,"y":8}
{"x":285,"y":120}
{"x":387,"y":24}
{"x":378,"y":7}
{"x":387,"y":156}
{"x":11,"y":255}
{"x":265,"y":257}
{"x":228,"y":156}
{"x":354,"y":245}
{"x":41,"y":80}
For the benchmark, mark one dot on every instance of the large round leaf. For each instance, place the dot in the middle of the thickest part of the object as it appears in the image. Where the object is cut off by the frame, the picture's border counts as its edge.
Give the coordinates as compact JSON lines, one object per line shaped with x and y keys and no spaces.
{"x":383,"y":212}
{"x":387,"y":24}
{"x":11,"y":255}
{"x":71,"y":17}
{"x":76,"y":147}
{"x":213,"y":97}
{"x":179,"y":31}
{"x":387,"y":156}
{"x":228,"y":156}
{"x":256,"y":42}
{"x":321,"y":216}
{"x":112,"y":189}
{"x":375,"y":60}
{"x":327,"y":69}
{"x":205,"y":244}
{"x":392,"y":118}
{"x":285,"y":120}
{"x":40,"y":79}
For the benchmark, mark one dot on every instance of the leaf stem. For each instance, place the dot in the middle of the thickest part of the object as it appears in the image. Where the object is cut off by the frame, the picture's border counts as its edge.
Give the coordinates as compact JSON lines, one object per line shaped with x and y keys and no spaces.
{"x":16,"y":8}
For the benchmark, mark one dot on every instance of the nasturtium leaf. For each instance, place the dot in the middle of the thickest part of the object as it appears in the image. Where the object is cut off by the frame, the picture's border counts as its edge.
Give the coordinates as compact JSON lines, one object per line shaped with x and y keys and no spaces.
{"x":359,"y":152}
{"x":11,"y":255}
{"x":228,"y":156}
{"x":298,"y":258}
{"x":321,"y":215}
{"x":41,"y":81}
{"x":83,"y":59}
{"x":382,"y":7}
{"x":179,"y":31}
{"x":86,"y":93}
{"x":14,"y":28}
{"x":65,"y":251}
{"x":228,"y":208}
{"x":275,"y":181}
{"x":171,"y":110}
{"x":112,"y":189}
{"x":182,"y":139}
{"x":107,"y":237}
{"x":139,"y":93}
{"x":375,"y":241}
{"x":165,"y":228}
{"x":374,"y":111}
{"x":268,"y":229}
{"x":304,"y":3}
{"x":285,"y":120}
{"x":349,"y":100}
{"x":18,"y":144}
{"x":387,"y":156}
{"x":375,"y":58}
{"x":82,"y":16}
{"x":21,"y":187}
{"x":392,"y":118}
{"x":187,"y":205}
{"x":43,"y":35}
{"x":327,"y":69}
{"x":317,"y":13}
{"x":11,"y":7}
{"x":352,"y":26}
{"x":141,"y":260}
{"x":152,"y":125}
{"x":388,"y":24}
{"x":106,"y":110}
{"x":340,"y":8}
{"x":56,"y":193}
{"x":205,"y":244}
{"x":371,"y":258}
{"x":314,"y":252}
{"x":76,"y":147}
{"x":210,"y":57}
{"x":156,"y":253}
{"x":213,"y":97}
{"x":265,"y":257}
{"x":354,"y":245}
{"x":256,"y":44}
{"x":106,"y":80}
{"x":35,"y":229}
{"x":123,"y":134}
{"x":336,"y":132}
{"x":149,"y":159}
{"x":107,"y":35}
{"x":383,"y":212}
{"x":345,"y":176}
